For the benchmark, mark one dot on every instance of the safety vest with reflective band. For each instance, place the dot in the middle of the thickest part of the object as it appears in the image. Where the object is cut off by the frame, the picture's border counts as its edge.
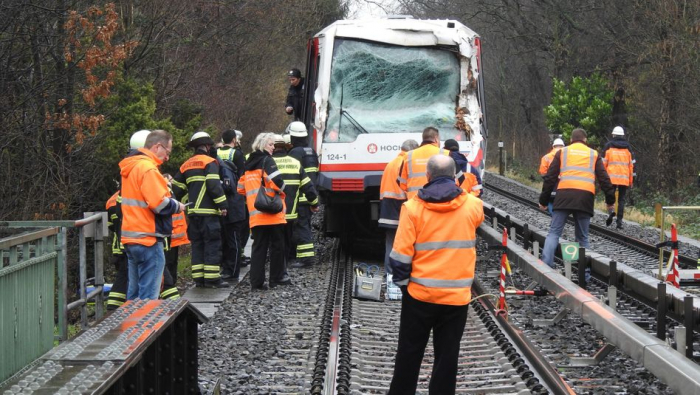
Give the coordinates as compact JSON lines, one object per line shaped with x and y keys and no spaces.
{"x":413,"y":172}
{"x":114,"y":222}
{"x":577,"y":169}
{"x":309,"y":162}
{"x":547,"y":160}
{"x":146,"y":204}
{"x":296,"y":184}
{"x":179,"y":236}
{"x":199,"y":178}
{"x":471,"y":183}
{"x":436,"y":242}
{"x":249,"y":185}
{"x":619,"y":165}
{"x":391,"y":194}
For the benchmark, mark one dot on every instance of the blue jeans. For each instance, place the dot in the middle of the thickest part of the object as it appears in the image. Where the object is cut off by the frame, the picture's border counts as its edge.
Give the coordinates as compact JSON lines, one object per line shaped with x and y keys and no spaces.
{"x":145,"y":270}
{"x":581,"y":220}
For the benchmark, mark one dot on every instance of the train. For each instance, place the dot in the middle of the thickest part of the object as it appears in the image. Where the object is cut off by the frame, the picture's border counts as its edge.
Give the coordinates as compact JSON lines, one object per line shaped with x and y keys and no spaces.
{"x":372,"y":84}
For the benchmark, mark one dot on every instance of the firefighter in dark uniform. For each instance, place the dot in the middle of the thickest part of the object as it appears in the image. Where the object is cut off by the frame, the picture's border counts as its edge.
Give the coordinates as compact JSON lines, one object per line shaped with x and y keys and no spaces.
{"x":117,"y":295}
{"x":309,"y":162}
{"x":236,"y":220}
{"x":199,"y":178}
{"x":296,"y":184}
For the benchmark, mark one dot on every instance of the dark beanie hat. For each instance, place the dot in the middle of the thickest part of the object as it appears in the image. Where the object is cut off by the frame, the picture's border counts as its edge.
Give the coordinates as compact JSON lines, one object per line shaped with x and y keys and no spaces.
{"x":451,"y":145}
{"x":294,"y":73}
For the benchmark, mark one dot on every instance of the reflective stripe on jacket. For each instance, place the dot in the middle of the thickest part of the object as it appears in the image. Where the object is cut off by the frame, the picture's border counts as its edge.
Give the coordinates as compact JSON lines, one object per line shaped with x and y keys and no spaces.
{"x":179,"y":236}
{"x":471,"y":183}
{"x":309,"y":162}
{"x":577,"y":170}
{"x":114,"y":222}
{"x":413,"y":172}
{"x":618,"y":163}
{"x":199,"y":178}
{"x":436,"y":243}
{"x":391,"y":194}
{"x":295,"y":181}
{"x":249,"y":185}
{"x":146,"y":203}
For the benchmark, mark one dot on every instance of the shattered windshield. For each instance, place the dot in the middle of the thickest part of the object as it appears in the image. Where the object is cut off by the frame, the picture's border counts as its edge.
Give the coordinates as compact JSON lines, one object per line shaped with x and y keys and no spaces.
{"x":380,"y":88}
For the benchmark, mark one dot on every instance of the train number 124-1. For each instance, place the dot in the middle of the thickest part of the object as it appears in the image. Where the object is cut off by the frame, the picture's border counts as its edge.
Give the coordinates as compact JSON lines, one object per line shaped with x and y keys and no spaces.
{"x":336,"y":157}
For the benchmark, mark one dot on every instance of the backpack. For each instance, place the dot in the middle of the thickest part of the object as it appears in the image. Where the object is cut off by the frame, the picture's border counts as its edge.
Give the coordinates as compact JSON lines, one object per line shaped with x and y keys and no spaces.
{"x":228,"y":173}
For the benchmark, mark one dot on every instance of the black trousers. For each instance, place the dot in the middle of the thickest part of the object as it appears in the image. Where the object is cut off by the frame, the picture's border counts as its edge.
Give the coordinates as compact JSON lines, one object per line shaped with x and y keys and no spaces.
{"x":417,"y":320}
{"x":243,"y":233}
{"x":171,"y":260}
{"x":117,"y":295}
{"x":229,"y":262}
{"x":289,"y":245}
{"x":267,"y":238}
{"x":204,"y":232}
{"x":621,"y":193}
{"x":303,"y":236}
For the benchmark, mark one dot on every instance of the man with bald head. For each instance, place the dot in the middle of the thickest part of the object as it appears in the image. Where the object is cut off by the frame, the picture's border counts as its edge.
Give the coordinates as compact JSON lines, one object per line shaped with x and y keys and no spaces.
{"x":433,"y":262}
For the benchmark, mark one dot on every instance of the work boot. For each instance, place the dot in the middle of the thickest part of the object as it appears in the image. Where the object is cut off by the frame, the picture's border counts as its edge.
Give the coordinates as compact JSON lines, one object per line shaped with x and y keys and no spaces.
{"x":609,"y":221}
{"x":260,"y":288}
{"x":285,"y":280}
{"x":199,"y":282}
{"x":244,"y":261}
{"x":619,"y":224}
{"x":218,"y":283}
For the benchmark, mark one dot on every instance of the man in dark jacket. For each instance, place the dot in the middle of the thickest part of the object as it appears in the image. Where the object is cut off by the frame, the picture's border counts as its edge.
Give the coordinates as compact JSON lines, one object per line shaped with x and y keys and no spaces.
{"x":576,"y":167}
{"x":619,"y":163}
{"x":470,"y":175}
{"x":295,"y":95}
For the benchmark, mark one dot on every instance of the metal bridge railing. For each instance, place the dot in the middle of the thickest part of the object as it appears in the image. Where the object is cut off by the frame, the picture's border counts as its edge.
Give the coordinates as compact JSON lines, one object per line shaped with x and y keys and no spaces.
{"x":31,"y":264}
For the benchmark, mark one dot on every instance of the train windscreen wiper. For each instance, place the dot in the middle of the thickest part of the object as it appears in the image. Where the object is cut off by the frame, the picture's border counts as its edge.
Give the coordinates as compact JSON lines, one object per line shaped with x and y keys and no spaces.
{"x":352,"y":120}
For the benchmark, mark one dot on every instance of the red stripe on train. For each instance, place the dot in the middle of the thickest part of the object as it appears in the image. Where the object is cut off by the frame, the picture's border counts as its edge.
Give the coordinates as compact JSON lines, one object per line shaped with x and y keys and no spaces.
{"x":353,"y":167}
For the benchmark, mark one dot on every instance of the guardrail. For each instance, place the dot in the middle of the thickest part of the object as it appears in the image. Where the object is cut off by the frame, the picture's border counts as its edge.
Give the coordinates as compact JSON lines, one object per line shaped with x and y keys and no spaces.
{"x":93,"y":226}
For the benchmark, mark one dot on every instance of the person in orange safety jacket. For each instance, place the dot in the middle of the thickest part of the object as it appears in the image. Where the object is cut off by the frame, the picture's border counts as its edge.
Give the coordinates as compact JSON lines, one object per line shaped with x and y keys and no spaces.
{"x":391,"y":198}
{"x":546,"y":160}
{"x":412,"y":176}
{"x":619,"y":162}
{"x":433,"y":262}
{"x":465,"y":171}
{"x":267,"y":228}
{"x":147,"y":209}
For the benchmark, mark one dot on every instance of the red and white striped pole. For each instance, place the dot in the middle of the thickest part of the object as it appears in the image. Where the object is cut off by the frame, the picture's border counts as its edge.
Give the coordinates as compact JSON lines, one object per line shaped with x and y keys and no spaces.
{"x":673,"y":276}
{"x":504,"y":263}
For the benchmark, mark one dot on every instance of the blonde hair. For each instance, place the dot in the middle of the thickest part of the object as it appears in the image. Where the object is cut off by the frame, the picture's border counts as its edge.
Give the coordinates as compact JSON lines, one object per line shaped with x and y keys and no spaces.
{"x":261,"y":140}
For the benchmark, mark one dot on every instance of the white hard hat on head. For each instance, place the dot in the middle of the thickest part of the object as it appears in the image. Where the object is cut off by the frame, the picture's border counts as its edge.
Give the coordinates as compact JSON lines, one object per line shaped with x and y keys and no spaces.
{"x":558,"y":143}
{"x":618,"y":131}
{"x":138,"y":139}
{"x":200,"y":138}
{"x":239,"y":134}
{"x":287,"y":138}
{"x":279,"y":140}
{"x":297,"y":129}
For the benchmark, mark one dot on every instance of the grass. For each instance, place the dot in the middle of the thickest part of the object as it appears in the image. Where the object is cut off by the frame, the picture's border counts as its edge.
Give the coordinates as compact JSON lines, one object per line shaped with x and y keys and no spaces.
{"x":688,"y":223}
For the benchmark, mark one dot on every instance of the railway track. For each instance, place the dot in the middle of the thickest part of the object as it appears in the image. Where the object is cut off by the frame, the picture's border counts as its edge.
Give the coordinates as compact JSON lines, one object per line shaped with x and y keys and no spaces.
{"x":358,"y":339}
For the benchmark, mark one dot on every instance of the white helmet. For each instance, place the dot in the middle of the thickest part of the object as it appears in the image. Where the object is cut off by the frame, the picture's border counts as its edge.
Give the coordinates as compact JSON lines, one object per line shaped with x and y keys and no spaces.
{"x":200,"y":138}
{"x":279,"y":139}
{"x":138,"y":139}
{"x":558,"y":143}
{"x":239,"y":135}
{"x":297,"y":129}
{"x":287,"y":138}
{"x":618,"y":131}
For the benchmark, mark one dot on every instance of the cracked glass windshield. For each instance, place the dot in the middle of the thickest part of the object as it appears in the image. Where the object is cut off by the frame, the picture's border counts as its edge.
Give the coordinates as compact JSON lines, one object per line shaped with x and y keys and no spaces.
{"x":379,"y":88}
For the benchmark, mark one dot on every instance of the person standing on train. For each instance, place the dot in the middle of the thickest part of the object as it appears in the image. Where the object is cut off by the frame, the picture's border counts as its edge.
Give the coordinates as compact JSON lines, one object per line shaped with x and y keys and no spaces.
{"x":306,"y":255}
{"x":236,"y":218}
{"x":296,"y":184}
{"x":295,"y":96}
{"x":472,"y":180}
{"x":147,"y":209}
{"x":576,"y":168}
{"x":413,"y":175}
{"x":267,"y":228}
{"x":199,"y":179}
{"x":619,"y":162}
{"x":546,"y":160}
{"x":391,"y":197}
{"x":437,"y":228}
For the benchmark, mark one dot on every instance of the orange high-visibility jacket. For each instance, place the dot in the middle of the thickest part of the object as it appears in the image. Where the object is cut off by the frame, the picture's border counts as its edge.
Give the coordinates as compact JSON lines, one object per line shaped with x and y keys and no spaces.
{"x":547,"y":160}
{"x":437,"y":242}
{"x":391,"y":194}
{"x":146,"y":204}
{"x":413,"y":172}
{"x":257,"y":168}
{"x":577,"y":168}
{"x":470,"y":183}
{"x":619,"y":165}
{"x":179,"y":236}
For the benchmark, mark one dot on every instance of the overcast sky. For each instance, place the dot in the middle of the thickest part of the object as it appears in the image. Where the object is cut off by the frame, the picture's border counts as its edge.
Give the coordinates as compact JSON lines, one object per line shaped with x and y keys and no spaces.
{"x":371,"y":8}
